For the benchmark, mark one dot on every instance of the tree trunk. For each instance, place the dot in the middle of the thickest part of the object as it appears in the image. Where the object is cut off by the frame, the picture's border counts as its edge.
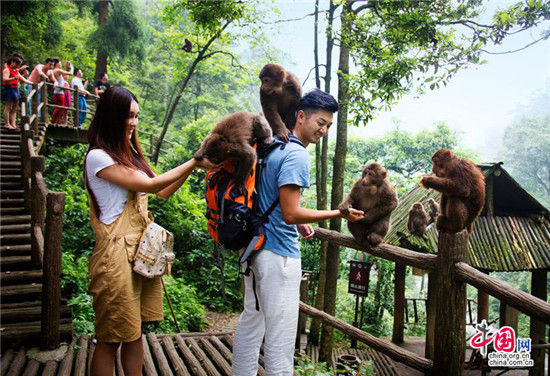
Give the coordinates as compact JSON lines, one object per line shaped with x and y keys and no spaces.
{"x":325,"y":352}
{"x":101,"y":58}
{"x":321,"y":164}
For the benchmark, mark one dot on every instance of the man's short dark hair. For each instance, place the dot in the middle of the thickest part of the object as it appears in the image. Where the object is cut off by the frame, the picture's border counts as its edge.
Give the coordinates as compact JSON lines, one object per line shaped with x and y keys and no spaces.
{"x":48,"y":60}
{"x":315,"y":100}
{"x":102,"y":75}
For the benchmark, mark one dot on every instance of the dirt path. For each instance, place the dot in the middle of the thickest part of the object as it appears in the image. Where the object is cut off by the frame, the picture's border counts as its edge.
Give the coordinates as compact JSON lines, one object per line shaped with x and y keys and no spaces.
{"x":221,"y":321}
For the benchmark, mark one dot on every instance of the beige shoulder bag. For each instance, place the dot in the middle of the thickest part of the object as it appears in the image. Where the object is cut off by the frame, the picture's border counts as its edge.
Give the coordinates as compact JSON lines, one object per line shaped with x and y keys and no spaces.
{"x":154,"y":255}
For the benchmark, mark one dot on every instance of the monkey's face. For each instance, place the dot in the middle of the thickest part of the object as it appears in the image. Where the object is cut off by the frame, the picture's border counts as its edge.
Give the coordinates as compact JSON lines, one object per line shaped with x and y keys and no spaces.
{"x":417,"y":206}
{"x":271,"y":86}
{"x":213,"y":149}
{"x":441,"y":161}
{"x":373,"y":174}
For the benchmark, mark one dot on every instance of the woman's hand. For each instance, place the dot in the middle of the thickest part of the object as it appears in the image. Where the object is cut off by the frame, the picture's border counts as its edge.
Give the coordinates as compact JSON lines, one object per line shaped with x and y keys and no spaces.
{"x":205,"y":164}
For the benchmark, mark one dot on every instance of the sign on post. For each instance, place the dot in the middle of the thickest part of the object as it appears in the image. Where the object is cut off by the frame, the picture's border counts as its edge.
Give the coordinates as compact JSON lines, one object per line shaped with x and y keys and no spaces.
{"x":359,"y":277}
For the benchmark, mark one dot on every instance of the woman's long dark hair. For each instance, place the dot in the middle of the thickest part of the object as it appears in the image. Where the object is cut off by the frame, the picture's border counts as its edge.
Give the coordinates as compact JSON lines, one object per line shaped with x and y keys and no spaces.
{"x":108,"y":130}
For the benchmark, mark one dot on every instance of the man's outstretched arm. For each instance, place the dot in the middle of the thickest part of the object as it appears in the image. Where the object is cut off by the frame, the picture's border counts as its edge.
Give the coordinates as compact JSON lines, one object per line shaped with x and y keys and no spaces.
{"x":293,"y":214}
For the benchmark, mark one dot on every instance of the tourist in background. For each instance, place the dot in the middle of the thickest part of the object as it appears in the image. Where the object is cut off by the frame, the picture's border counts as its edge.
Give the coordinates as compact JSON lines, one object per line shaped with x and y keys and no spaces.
{"x":10,"y":90}
{"x":80,"y":88}
{"x":102,"y":84}
{"x":68,"y":98}
{"x":39,"y":73}
{"x":59,"y":114}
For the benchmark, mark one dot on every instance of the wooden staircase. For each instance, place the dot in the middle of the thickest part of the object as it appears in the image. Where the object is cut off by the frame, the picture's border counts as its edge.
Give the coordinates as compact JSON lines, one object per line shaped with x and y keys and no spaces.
{"x":20,"y":279}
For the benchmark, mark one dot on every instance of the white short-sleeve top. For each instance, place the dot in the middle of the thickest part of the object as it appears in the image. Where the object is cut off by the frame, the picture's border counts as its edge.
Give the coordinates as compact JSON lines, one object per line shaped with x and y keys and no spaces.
{"x":110,"y":197}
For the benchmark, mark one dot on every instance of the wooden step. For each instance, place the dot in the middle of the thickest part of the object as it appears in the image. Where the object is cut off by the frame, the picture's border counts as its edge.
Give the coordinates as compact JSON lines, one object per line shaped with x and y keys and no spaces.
{"x":8,"y":239}
{"x":21,"y":293}
{"x":13,"y":193}
{"x":16,"y":228}
{"x":14,"y":210}
{"x":29,"y":314}
{"x":15,"y":250}
{"x":11,"y":263}
{"x":8,"y":164}
{"x":8,"y":177}
{"x":4,"y":151}
{"x":10,"y":157}
{"x":9,"y":184}
{"x":9,"y":219}
{"x":11,"y":202}
{"x":21,"y":276}
{"x":10,"y":141}
{"x":10,"y":171}
{"x":10,"y":136}
{"x":10,"y":146}
{"x":28,"y":333}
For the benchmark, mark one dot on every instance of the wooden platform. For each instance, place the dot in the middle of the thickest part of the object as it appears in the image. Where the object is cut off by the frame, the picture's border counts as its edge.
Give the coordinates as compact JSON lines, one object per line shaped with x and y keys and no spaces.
{"x":184,"y":354}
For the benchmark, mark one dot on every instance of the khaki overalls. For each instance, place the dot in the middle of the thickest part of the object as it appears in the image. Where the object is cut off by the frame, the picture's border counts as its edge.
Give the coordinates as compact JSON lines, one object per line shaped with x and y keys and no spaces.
{"x":122,"y":299}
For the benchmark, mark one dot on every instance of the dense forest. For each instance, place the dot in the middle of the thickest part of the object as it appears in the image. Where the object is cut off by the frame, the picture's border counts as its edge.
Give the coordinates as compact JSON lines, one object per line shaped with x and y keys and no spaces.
{"x":375,"y":52}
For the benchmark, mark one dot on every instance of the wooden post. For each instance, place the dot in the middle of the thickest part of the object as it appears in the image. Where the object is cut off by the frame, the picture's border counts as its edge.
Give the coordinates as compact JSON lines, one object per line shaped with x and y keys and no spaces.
{"x":450,"y":324}
{"x":539,"y":280}
{"x":431,"y":306}
{"x":302,"y":316}
{"x":399,"y":303}
{"x":38,"y":205}
{"x":45,"y":111}
{"x":51,"y":287}
{"x":76,"y":101}
{"x":482,"y":305}
{"x":508,"y":316}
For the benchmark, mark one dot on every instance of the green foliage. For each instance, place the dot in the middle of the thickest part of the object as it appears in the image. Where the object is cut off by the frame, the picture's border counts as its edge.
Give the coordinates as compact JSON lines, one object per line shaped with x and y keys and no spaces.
{"x":402,"y":45}
{"x":31,"y":28}
{"x":189,"y":312}
{"x":526,"y":154}
{"x":305,"y":367}
{"x":123,"y":34}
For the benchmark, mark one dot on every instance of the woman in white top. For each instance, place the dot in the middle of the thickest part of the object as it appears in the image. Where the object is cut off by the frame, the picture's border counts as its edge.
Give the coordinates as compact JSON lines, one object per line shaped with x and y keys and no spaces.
{"x":118,"y":178}
{"x":59,"y":114}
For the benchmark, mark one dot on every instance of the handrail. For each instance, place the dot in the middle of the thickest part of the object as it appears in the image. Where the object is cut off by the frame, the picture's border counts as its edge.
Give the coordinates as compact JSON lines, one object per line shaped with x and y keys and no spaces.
{"x":512,"y":296}
{"x":390,"y":252}
{"x":393,"y":351}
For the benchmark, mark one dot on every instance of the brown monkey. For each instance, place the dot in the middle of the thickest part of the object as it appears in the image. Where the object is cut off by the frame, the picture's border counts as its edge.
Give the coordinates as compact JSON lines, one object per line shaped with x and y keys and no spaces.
{"x":433,"y":211}
{"x":418,"y":219}
{"x":188,"y":46}
{"x":231,"y":137}
{"x":373,"y":194}
{"x":280,"y":95}
{"x":462,"y":187}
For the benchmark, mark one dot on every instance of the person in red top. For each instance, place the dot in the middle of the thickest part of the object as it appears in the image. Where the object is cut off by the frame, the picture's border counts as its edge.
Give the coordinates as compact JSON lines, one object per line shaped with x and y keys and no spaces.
{"x":10,"y":90}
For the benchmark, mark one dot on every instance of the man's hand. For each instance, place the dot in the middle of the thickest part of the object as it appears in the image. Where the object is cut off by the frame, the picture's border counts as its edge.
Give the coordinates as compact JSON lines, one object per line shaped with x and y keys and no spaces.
{"x":354,"y":215}
{"x":306,"y":231}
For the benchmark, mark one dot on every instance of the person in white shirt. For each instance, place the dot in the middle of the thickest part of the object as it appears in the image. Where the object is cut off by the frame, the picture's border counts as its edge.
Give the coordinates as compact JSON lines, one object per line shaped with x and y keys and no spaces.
{"x":76,"y":83}
{"x":118,"y":179}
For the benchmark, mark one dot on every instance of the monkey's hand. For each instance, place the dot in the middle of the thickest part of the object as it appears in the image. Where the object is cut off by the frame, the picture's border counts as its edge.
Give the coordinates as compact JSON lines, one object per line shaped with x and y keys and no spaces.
{"x":425,"y":181}
{"x":354,"y":215}
{"x":344,"y":208}
{"x":283,"y":134}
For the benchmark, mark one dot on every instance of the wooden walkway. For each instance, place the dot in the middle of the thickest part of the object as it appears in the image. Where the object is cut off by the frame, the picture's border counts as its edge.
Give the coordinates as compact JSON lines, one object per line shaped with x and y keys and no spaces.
{"x":184,"y":354}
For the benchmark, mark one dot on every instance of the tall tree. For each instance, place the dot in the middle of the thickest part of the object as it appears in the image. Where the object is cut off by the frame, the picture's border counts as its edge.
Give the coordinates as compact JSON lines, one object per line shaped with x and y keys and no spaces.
{"x":526,"y":153}
{"x":120,"y":32}
{"x":321,"y":168}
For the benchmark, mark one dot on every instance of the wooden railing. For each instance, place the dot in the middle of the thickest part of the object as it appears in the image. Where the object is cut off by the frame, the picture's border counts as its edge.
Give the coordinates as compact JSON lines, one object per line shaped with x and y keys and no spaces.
{"x":448,"y":334}
{"x":46,"y":208}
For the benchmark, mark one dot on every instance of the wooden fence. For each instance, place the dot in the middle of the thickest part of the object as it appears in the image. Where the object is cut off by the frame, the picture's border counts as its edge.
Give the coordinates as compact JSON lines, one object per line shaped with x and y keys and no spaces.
{"x":446,"y":334}
{"x":46,"y":208}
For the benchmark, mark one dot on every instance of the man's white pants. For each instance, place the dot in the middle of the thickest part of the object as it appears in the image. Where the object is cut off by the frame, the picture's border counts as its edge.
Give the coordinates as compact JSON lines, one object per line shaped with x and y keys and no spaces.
{"x":278,"y":290}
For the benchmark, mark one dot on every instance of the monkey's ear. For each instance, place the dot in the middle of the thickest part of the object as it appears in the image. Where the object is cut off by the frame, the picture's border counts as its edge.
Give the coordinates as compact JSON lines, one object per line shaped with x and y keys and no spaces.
{"x":384,"y":173}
